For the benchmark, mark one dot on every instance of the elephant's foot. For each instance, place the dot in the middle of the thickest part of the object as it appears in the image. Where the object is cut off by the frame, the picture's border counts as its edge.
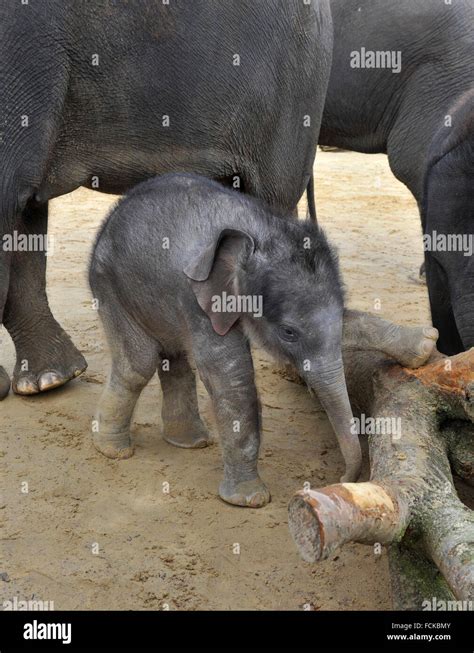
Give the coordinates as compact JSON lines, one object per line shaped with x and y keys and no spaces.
{"x":45,"y":362}
{"x":187,"y":435}
{"x":411,"y":346}
{"x":251,"y":494}
{"x":114,"y":445}
{"x":4,"y":383}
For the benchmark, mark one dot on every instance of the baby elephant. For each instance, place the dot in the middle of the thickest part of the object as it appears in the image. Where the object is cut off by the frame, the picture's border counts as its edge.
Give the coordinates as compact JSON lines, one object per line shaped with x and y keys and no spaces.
{"x":187,"y":269}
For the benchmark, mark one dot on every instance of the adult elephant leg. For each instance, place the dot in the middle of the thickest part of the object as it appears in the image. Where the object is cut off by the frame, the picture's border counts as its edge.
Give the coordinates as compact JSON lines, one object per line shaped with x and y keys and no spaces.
{"x":460,"y":263}
{"x":442,"y":313}
{"x":5,"y":260}
{"x":282,"y":165}
{"x":416,"y":148}
{"x":463,"y":308}
{"x":46,"y":356}
{"x":34,"y":88}
{"x":449,"y":235}
{"x":12,"y":199}
{"x":272,"y":185}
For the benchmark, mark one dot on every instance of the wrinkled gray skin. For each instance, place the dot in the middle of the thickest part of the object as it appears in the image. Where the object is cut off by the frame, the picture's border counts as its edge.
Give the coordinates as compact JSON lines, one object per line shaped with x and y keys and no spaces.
{"x":156,"y":305}
{"x":104,"y":126}
{"x":375,"y":110}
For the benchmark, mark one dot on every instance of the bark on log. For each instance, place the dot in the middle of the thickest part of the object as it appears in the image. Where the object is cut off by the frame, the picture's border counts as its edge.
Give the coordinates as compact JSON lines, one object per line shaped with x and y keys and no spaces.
{"x":415,"y":579}
{"x":410,"y":501}
{"x":460,"y":443}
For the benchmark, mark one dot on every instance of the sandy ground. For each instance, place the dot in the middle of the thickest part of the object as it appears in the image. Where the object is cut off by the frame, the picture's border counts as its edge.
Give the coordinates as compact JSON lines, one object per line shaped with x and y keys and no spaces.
{"x":92,"y":533}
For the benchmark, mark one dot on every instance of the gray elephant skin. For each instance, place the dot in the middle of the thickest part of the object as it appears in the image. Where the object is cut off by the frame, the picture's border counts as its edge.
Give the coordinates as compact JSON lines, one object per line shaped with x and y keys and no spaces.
{"x":106,"y":94}
{"x":165,"y":266}
{"x":422,"y":116}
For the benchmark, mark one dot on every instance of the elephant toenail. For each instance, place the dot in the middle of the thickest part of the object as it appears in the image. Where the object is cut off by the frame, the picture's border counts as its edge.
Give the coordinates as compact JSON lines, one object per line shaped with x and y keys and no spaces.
{"x":25,"y":386}
{"x":49,"y":380}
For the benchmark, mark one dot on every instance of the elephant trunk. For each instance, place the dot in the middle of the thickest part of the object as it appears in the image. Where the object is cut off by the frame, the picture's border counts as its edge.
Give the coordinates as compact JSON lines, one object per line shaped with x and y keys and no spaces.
{"x":329,"y":384}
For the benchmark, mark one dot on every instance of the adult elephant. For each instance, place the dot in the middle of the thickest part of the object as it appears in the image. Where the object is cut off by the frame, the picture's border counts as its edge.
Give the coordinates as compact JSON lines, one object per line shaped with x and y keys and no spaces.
{"x":422,"y":116}
{"x":106,"y":93}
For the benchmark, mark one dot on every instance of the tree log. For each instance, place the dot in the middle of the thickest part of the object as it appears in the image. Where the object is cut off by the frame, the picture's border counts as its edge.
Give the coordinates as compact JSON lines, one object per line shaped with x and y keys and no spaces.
{"x":410,"y":502}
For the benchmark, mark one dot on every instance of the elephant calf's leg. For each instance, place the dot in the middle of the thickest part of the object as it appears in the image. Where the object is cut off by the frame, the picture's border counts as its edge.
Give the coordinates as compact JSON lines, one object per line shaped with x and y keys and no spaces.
{"x":182,"y":425}
{"x":410,"y":346}
{"x":46,"y":356}
{"x":134,"y":361}
{"x":226,"y":368}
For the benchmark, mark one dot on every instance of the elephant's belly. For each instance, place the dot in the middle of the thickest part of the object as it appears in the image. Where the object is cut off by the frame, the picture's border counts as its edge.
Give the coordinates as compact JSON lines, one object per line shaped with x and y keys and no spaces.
{"x":116,"y":169}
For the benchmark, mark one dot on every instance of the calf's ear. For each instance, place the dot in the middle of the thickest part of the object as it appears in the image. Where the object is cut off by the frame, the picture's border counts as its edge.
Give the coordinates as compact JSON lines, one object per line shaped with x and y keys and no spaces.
{"x":213,"y":272}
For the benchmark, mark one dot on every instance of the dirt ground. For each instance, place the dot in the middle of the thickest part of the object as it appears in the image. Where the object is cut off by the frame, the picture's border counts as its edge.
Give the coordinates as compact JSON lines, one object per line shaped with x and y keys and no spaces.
{"x":92,"y":533}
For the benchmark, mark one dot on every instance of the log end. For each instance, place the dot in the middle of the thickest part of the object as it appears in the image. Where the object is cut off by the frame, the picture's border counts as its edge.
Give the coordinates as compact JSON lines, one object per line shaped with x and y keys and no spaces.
{"x":323,"y":520}
{"x":305,"y":528}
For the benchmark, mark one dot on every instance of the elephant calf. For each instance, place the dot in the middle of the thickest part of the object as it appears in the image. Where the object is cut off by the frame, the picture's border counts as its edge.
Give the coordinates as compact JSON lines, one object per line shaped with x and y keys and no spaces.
{"x":184,"y":267}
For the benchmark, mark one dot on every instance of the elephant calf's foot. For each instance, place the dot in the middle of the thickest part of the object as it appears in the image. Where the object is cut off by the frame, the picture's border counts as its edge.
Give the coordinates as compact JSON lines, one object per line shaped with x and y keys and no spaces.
{"x":187,"y":435}
{"x":114,"y":445}
{"x":411,"y":346}
{"x":4,"y":383}
{"x":42,"y":366}
{"x":252,"y":494}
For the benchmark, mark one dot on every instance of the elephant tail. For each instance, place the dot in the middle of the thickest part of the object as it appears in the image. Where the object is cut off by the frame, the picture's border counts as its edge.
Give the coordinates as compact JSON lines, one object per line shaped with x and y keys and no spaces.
{"x":311,"y":200}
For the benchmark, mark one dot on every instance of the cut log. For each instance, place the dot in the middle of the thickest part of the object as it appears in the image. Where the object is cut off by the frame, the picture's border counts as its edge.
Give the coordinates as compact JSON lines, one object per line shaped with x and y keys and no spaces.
{"x":323,"y":520}
{"x":421,"y":420}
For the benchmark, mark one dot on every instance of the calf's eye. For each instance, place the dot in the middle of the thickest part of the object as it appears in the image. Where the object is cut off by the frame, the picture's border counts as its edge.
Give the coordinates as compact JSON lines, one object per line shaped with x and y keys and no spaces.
{"x":287,"y":333}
